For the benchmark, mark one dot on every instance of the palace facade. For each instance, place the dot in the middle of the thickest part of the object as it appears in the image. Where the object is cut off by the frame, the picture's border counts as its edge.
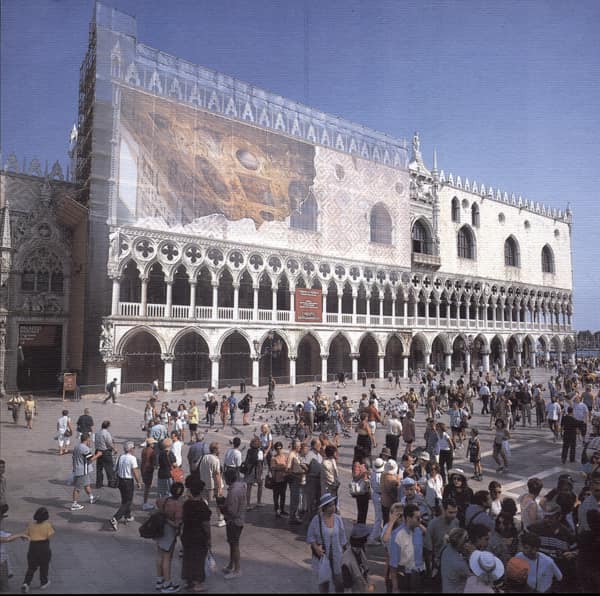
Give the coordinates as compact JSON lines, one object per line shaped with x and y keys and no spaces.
{"x":234,"y":233}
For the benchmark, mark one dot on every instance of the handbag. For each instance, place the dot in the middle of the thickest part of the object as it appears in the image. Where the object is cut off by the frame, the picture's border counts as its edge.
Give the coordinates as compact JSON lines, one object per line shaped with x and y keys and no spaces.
{"x":210,"y":564}
{"x":269,"y":482}
{"x":358,"y":487}
{"x":68,"y":432}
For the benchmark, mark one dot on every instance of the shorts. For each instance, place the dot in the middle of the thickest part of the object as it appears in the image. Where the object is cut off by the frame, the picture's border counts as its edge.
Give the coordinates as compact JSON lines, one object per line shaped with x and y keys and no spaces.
{"x":82,"y":481}
{"x":233,"y":532}
{"x":147,"y":478}
{"x":28,"y":415}
{"x":193,"y":427}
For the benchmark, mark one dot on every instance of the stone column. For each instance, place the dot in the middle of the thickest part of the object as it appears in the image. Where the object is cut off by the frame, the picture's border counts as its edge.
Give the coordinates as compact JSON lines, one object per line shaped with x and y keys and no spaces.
{"x":255,"y":303}
{"x":293,"y":308}
{"x":215,"y":305}
{"x":404,"y":367}
{"x":144,"y":307}
{"x":168,"y":371}
{"x":560,"y":354}
{"x":192,"y":300}
{"x":116,"y":288}
{"x":368,"y":309}
{"x":437,"y":314}
{"x":448,"y":309}
{"x":427,"y":302}
{"x":468,"y":360}
{"x":353,"y":307}
{"x":572,"y":358}
{"x":494,"y":315}
{"x":381,"y":310}
{"x":324,"y":305}
{"x":354,"y":356}
{"x":214,"y":370}
{"x":381,"y":358}
{"x":533,"y":360}
{"x":486,"y":361}
{"x":255,"y":370}
{"x":547,"y":356}
{"x":502,"y":359}
{"x":394,"y":310}
{"x":339,"y":308}
{"x":274,"y":304}
{"x":292,"y":370}
{"x":169,"y":301}
{"x":113,"y":369}
{"x":324,"y":367}
{"x":519,"y":362}
{"x":236,"y":302}
{"x":405,"y":313}
{"x":448,"y":360}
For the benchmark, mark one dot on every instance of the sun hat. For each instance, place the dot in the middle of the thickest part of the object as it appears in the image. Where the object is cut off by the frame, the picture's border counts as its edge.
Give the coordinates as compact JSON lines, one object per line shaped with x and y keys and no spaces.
{"x":454,"y":471}
{"x":425,"y":456}
{"x":483,"y":562}
{"x":326,"y":498}
{"x":378,"y":464}
{"x":385,"y":451}
{"x":517,"y":570}
{"x":150,"y":441}
{"x":390,"y":466}
{"x":407,"y":482}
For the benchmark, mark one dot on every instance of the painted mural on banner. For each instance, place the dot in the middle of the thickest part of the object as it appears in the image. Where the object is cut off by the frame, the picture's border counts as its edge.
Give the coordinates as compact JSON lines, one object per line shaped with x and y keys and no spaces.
{"x":309,"y":305}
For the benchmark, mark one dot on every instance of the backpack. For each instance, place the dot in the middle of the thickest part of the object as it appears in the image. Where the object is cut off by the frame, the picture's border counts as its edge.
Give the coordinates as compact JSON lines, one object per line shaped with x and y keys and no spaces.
{"x":109,"y":387}
{"x":154,"y":526}
{"x":473,"y":450}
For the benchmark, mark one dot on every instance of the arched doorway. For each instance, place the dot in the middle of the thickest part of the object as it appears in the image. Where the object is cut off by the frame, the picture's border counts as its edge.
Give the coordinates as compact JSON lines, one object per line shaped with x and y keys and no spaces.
{"x":393,"y":356}
{"x":308,"y":363}
{"x":191,"y":367}
{"x":339,"y":357}
{"x":141,"y":362}
{"x":235,"y":363}
{"x":496,"y":351}
{"x":367,"y":360}
{"x":274,"y":360}
{"x":459,"y":354}
{"x":528,"y":351}
{"x":438,"y":349}
{"x":512,"y":347}
{"x":418,"y":353}
{"x":479,"y":346}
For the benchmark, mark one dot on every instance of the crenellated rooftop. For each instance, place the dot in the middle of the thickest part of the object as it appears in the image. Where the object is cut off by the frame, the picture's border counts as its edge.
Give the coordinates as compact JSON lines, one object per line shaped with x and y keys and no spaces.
{"x":35,"y":168}
{"x":504,"y":197}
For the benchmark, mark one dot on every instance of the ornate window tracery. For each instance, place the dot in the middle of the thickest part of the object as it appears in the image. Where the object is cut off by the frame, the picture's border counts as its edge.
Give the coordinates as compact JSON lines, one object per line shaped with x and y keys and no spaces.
{"x":42,"y":272}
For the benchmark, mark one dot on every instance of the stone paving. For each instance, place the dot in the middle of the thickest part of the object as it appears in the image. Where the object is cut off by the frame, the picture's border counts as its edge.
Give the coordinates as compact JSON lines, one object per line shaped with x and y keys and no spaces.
{"x":87,"y":556}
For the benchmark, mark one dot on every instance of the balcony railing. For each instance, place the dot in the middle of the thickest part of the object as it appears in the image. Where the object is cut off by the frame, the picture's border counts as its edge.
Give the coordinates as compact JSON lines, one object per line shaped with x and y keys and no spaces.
{"x":133,"y":310}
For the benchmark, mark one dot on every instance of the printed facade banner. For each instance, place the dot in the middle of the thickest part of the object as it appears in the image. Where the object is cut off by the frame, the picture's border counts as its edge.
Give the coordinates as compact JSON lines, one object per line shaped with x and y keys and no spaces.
{"x":309,"y":305}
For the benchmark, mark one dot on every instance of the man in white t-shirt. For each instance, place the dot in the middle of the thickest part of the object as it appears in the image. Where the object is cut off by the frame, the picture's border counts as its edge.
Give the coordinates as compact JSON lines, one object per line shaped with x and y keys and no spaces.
{"x":542,"y":569}
{"x":210,"y":473}
{"x":553,"y":416}
{"x":127,"y":470}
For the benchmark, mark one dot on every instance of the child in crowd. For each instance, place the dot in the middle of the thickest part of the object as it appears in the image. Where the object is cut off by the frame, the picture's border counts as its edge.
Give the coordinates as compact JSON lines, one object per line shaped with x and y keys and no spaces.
{"x":474,"y":450}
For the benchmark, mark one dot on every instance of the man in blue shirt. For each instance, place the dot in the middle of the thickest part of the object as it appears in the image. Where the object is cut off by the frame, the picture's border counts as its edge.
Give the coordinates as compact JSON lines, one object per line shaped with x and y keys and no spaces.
{"x":406,"y":553}
{"x":309,"y":414}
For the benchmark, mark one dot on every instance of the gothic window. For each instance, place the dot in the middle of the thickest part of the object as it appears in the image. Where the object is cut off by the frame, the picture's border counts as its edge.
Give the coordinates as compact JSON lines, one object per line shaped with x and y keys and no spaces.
{"x":381,"y":225}
{"x":511,"y":252}
{"x":421,"y":238}
{"x":475,"y":215}
{"x":42,"y":272}
{"x":547,"y":260}
{"x":455,"y":210}
{"x":466,"y":243}
{"x":304,"y":217}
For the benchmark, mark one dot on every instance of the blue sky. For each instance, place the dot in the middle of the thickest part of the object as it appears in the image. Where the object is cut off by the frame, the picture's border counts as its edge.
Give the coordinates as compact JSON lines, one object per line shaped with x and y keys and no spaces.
{"x":507,"y":92}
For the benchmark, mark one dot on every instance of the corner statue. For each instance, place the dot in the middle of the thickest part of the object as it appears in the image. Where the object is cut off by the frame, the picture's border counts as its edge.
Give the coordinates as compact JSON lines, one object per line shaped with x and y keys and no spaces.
{"x":106,"y":337}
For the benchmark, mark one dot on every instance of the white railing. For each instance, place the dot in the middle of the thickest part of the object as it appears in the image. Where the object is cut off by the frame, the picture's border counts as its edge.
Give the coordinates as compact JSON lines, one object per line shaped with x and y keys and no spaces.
{"x":130,"y":309}
{"x":156,"y":310}
{"x":204,"y":312}
{"x":245,"y":314}
{"x":179,"y":311}
{"x":264,"y":314}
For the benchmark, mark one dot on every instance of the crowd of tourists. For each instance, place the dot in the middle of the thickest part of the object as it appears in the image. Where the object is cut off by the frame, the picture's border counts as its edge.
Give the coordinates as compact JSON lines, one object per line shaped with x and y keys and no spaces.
{"x":440,"y":527}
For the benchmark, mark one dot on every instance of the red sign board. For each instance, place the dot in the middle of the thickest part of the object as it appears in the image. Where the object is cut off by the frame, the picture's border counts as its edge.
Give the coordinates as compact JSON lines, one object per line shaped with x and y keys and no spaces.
{"x":69,"y":381}
{"x":309,"y":305}
{"x":39,"y":335}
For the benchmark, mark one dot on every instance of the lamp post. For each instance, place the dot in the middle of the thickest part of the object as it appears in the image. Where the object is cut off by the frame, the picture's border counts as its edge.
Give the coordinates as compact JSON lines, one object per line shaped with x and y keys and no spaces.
{"x":274,"y":347}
